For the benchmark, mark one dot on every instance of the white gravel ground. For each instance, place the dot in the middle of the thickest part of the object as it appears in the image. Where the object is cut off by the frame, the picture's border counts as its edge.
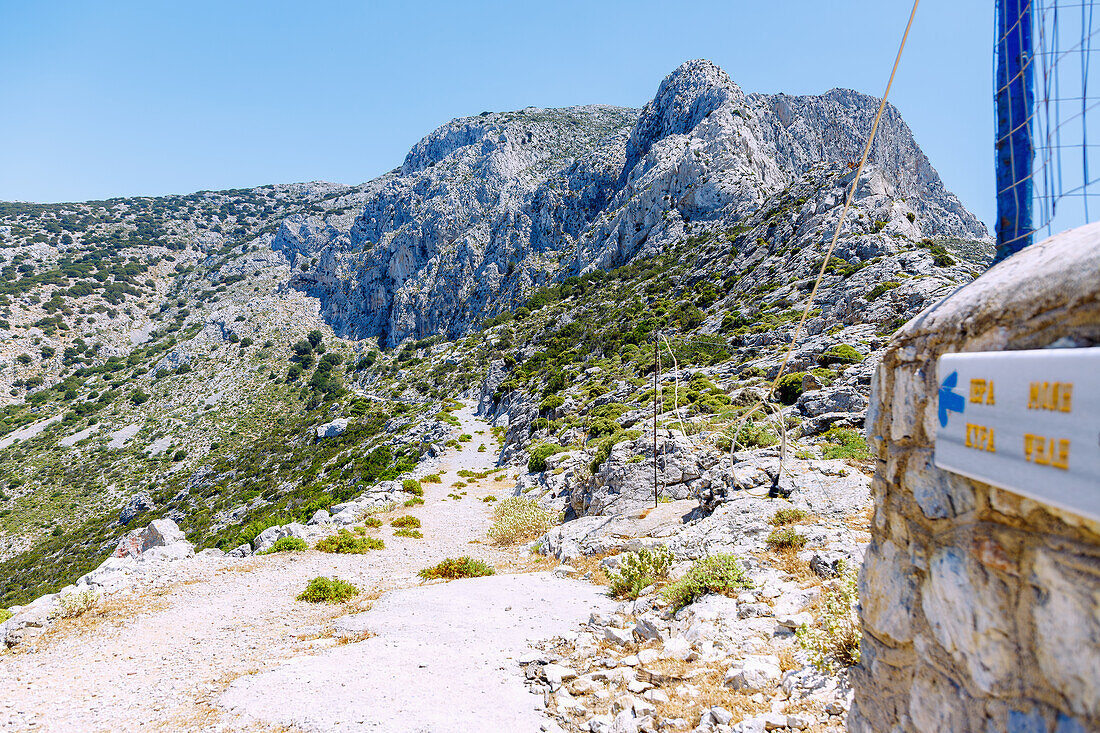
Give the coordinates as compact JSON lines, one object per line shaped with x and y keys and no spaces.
{"x":160,"y":659}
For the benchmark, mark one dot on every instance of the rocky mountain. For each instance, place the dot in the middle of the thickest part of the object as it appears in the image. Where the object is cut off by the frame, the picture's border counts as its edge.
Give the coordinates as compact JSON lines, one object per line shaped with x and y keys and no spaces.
{"x":484,"y":208}
{"x":239,"y":360}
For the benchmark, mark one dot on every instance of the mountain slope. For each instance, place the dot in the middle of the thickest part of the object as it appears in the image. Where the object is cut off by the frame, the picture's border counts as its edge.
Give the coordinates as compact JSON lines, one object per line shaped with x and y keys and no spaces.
{"x":155,"y":356}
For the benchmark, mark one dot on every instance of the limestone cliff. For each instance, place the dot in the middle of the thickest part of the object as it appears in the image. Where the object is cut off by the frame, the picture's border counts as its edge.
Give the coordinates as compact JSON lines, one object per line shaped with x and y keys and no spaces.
{"x":486,"y":207}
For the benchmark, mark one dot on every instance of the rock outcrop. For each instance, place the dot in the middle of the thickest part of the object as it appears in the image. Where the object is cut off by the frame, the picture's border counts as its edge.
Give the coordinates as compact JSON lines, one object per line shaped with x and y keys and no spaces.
{"x":486,"y":207}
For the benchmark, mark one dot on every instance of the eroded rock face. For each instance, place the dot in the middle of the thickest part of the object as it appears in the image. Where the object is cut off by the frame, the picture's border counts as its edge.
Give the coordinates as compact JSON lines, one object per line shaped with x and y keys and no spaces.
{"x":486,"y":207}
{"x":159,"y":533}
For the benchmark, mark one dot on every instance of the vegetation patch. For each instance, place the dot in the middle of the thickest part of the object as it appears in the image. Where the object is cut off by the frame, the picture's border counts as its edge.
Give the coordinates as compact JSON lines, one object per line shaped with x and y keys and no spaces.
{"x":451,"y":569}
{"x":286,"y":544}
{"x":405,"y":521}
{"x":638,"y":571}
{"x":833,"y":640}
{"x":788,"y":516}
{"x":713,"y":574}
{"x":407,"y":532}
{"x":789,"y":388}
{"x":845,"y":443}
{"x":76,"y":604}
{"x":785,"y":538}
{"x":328,"y":590}
{"x":345,"y":543}
{"x":539,"y":453}
{"x":518,"y":519}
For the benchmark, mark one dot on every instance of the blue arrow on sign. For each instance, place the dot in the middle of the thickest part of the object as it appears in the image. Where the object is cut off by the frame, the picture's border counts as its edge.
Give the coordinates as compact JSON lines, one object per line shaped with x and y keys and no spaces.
{"x":950,"y":400}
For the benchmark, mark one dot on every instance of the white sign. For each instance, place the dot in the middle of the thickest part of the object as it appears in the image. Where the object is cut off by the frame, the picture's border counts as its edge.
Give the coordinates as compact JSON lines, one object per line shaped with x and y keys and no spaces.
{"x":1027,"y":421}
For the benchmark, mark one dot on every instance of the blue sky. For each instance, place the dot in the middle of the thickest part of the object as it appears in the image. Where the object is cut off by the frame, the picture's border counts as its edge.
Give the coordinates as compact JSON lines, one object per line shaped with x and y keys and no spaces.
{"x":113,"y":98}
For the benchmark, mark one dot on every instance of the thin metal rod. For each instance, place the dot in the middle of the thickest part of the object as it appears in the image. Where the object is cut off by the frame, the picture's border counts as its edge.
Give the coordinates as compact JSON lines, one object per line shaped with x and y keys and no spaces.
{"x":656,"y":368}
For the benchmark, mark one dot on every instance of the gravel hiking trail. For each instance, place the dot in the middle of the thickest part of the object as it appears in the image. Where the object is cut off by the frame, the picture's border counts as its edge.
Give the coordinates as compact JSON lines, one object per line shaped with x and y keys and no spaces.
{"x":221,"y":644}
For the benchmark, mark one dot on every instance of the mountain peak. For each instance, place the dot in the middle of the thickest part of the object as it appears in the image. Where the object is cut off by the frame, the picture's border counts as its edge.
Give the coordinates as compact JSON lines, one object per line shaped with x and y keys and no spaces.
{"x":684,"y":99}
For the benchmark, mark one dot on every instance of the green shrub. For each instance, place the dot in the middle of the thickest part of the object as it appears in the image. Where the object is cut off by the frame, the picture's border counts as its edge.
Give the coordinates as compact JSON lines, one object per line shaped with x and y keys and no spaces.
{"x":448,"y":418}
{"x":788,"y":516}
{"x":833,"y":641}
{"x":327,"y":590}
{"x":465,"y":438}
{"x":713,"y":574}
{"x":406,"y":532}
{"x":345,"y":543}
{"x":551,"y":402}
{"x":451,"y":569}
{"x":789,"y":388}
{"x":881,"y":288}
{"x":431,"y":478}
{"x":786,"y":538}
{"x":537,"y":462}
{"x":412,"y":486}
{"x":138,"y":397}
{"x":845,"y":443}
{"x":840,"y":354}
{"x":517,"y":519}
{"x":753,"y":435}
{"x":5,"y":614}
{"x":638,"y":571}
{"x":414,"y":501}
{"x":405,"y":521}
{"x":286,"y":544}
{"x":372,"y":522}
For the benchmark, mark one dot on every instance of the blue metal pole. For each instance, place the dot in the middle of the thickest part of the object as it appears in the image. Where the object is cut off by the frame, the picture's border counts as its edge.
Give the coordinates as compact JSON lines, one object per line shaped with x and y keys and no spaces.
{"x":1015,"y":101}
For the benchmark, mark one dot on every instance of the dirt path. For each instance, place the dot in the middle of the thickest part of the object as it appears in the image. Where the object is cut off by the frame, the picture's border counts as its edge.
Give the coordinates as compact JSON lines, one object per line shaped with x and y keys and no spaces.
{"x":160,"y":659}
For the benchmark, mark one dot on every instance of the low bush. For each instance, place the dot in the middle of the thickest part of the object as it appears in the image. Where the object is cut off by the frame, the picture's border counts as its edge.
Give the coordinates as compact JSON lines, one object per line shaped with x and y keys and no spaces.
{"x":406,"y":532}
{"x":412,"y":486}
{"x":372,"y":522}
{"x":431,"y":478}
{"x":414,"y":501}
{"x":638,"y":571}
{"x":752,"y":435}
{"x":5,"y":614}
{"x":840,"y":354}
{"x":789,"y":388}
{"x":76,"y":604}
{"x":845,"y":443}
{"x":345,"y":543}
{"x":451,"y":569}
{"x":833,"y":640}
{"x":405,"y":521}
{"x":786,"y":538}
{"x":881,"y":288}
{"x":537,"y":462}
{"x":788,"y":516}
{"x":713,"y":574}
{"x":286,"y":544}
{"x":327,"y":590}
{"x":517,"y":519}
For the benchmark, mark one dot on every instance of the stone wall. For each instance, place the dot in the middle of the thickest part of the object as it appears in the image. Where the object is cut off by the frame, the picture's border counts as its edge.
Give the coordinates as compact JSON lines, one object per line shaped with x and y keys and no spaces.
{"x":980,"y":608}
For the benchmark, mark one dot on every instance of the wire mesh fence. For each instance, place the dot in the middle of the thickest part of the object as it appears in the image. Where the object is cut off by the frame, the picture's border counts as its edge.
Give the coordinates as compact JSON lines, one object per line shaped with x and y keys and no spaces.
{"x":1058,"y":186}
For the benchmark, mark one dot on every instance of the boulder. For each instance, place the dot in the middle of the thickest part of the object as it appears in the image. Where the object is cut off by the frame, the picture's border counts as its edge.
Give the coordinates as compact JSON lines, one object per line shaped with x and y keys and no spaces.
{"x":159,"y":533}
{"x":755,"y":673}
{"x":332,"y":429}
{"x":832,"y":399}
